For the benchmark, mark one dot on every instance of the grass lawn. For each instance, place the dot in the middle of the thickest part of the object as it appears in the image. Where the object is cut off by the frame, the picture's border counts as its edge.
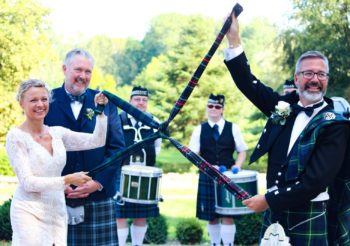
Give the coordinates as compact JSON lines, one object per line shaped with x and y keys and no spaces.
{"x":171,"y":160}
{"x":179,"y":192}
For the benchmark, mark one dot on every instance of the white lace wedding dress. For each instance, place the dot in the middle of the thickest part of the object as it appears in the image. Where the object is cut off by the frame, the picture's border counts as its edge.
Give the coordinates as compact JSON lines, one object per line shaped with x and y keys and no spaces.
{"x":38,"y":211}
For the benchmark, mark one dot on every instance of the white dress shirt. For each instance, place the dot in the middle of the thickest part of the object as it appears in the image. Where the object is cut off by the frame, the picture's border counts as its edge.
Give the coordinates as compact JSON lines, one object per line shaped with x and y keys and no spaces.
{"x":301,"y":122}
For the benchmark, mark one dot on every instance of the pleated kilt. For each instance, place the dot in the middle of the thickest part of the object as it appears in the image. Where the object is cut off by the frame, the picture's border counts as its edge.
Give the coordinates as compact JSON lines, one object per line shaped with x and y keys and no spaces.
{"x":339,"y":213}
{"x":99,"y":227}
{"x":305,"y":226}
{"x":137,"y":210}
{"x":205,"y":209}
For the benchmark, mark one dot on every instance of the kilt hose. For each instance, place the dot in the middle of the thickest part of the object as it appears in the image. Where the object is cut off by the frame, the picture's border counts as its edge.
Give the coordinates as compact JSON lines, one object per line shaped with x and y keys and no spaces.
{"x":305,"y":226}
{"x":99,"y":227}
{"x":136,"y":210}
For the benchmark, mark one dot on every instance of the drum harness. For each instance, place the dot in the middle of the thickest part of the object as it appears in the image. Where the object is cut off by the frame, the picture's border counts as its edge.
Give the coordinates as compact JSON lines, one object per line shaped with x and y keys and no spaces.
{"x":135,"y":160}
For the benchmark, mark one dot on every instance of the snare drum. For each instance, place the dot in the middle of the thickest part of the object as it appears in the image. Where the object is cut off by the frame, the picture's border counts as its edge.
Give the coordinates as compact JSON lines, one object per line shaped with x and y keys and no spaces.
{"x":226,"y":203}
{"x":140,"y":184}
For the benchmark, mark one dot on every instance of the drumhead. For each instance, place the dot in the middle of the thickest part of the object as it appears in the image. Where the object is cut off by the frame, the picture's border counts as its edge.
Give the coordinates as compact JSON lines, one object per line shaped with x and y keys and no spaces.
{"x":242,"y":176}
{"x":142,"y":170}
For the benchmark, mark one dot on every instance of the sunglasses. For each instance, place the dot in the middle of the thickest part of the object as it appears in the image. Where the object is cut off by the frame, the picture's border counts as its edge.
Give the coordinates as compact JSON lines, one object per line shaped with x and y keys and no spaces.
{"x":214,"y":106}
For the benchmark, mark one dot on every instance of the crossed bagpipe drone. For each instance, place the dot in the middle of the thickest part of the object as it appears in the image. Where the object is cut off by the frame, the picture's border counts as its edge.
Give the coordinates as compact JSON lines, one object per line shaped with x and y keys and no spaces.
{"x":198,"y":161}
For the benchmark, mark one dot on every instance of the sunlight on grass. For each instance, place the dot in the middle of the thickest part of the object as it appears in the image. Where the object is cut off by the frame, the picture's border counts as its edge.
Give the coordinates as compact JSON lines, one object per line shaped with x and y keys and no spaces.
{"x":179,"y":193}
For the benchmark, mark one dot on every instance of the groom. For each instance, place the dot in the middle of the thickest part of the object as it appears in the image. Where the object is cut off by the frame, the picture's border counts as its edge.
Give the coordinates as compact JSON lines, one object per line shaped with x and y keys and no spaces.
{"x":72,"y":107}
{"x":306,"y":142}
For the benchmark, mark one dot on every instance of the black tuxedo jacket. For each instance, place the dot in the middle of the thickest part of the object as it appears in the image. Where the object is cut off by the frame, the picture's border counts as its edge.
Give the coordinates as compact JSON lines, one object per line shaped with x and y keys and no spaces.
{"x":327,"y":156}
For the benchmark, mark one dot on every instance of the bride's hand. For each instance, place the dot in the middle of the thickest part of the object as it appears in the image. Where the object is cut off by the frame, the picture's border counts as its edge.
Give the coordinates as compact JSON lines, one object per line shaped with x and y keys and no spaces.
{"x":77,"y":179}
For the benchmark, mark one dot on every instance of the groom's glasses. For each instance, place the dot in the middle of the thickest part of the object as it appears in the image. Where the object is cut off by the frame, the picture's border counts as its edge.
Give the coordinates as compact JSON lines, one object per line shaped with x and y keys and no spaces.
{"x":214,"y":106}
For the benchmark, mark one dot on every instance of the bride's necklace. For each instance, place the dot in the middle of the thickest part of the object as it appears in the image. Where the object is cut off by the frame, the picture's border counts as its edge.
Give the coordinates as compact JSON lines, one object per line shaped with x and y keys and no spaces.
{"x":40,"y":135}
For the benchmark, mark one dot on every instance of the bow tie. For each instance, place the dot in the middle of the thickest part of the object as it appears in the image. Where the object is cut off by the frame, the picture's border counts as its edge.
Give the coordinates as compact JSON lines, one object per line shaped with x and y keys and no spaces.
{"x":308,"y":110}
{"x":79,"y":98}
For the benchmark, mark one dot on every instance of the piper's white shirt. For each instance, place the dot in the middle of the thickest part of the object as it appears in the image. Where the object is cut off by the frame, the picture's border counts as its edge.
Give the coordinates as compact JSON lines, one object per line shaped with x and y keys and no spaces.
{"x":239,"y":142}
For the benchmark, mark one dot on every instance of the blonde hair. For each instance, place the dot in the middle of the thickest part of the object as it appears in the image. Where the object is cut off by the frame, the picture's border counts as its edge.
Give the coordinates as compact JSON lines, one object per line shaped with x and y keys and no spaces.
{"x":27,"y":84}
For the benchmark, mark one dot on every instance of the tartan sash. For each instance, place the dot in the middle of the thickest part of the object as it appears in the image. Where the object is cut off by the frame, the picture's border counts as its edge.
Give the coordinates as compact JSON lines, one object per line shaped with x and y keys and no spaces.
{"x":301,"y":153}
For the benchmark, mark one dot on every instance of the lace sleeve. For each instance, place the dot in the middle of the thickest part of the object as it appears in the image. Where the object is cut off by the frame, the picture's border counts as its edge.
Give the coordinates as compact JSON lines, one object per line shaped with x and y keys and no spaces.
{"x":22,"y":162}
{"x":76,"y":141}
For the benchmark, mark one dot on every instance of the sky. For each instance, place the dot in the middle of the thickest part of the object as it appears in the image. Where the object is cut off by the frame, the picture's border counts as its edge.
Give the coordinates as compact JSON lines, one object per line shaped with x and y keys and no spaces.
{"x":131,"y":18}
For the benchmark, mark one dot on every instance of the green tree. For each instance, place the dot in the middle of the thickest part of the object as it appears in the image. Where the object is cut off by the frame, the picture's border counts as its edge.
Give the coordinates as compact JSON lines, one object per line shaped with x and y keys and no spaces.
{"x":259,"y":38}
{"x":324,"y":26}
{"x":127,"y":61}
{"x":260,"y":42}
{"x":102,"y":49}
{"x":167,"y":75}
{"x":162,"y":36}
{"x":22,"y":23}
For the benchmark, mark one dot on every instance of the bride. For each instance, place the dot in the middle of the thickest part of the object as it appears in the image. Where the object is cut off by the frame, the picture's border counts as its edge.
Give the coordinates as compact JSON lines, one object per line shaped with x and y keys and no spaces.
{"x":37,"y":153}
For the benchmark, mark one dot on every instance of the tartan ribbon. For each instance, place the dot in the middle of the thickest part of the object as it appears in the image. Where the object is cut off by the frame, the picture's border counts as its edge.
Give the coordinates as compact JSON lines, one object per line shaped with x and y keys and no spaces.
{"x":208,"y":169}
{"x":133,"y":111}
{"x":199,"y":71}
{"x":124,"y":153}
{"x":198,"y":161}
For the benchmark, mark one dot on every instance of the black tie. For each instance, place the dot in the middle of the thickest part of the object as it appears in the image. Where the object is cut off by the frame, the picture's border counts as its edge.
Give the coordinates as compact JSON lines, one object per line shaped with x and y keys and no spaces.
{"x":308,"y":110}
{"x":216,"y":133}
{"x":79,"y":98}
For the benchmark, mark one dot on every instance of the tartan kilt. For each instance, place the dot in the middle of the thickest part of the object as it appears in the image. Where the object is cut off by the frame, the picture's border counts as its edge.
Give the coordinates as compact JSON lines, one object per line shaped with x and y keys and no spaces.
{"x":206,"y":199}
{"x":305,"y":226}
{"x":99,"y":227}
{"x":339,"y":213}
{"x":136,"y":210}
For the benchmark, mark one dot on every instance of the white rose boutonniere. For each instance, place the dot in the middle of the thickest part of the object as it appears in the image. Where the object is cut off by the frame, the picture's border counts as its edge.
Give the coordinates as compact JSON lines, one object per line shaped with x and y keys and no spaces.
{"x":282,"y":111}
{"x":89,"y":113}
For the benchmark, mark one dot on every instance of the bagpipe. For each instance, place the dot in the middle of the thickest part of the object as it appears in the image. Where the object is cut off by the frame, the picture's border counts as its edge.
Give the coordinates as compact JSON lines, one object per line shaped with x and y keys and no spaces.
{"x":161,"y":128}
